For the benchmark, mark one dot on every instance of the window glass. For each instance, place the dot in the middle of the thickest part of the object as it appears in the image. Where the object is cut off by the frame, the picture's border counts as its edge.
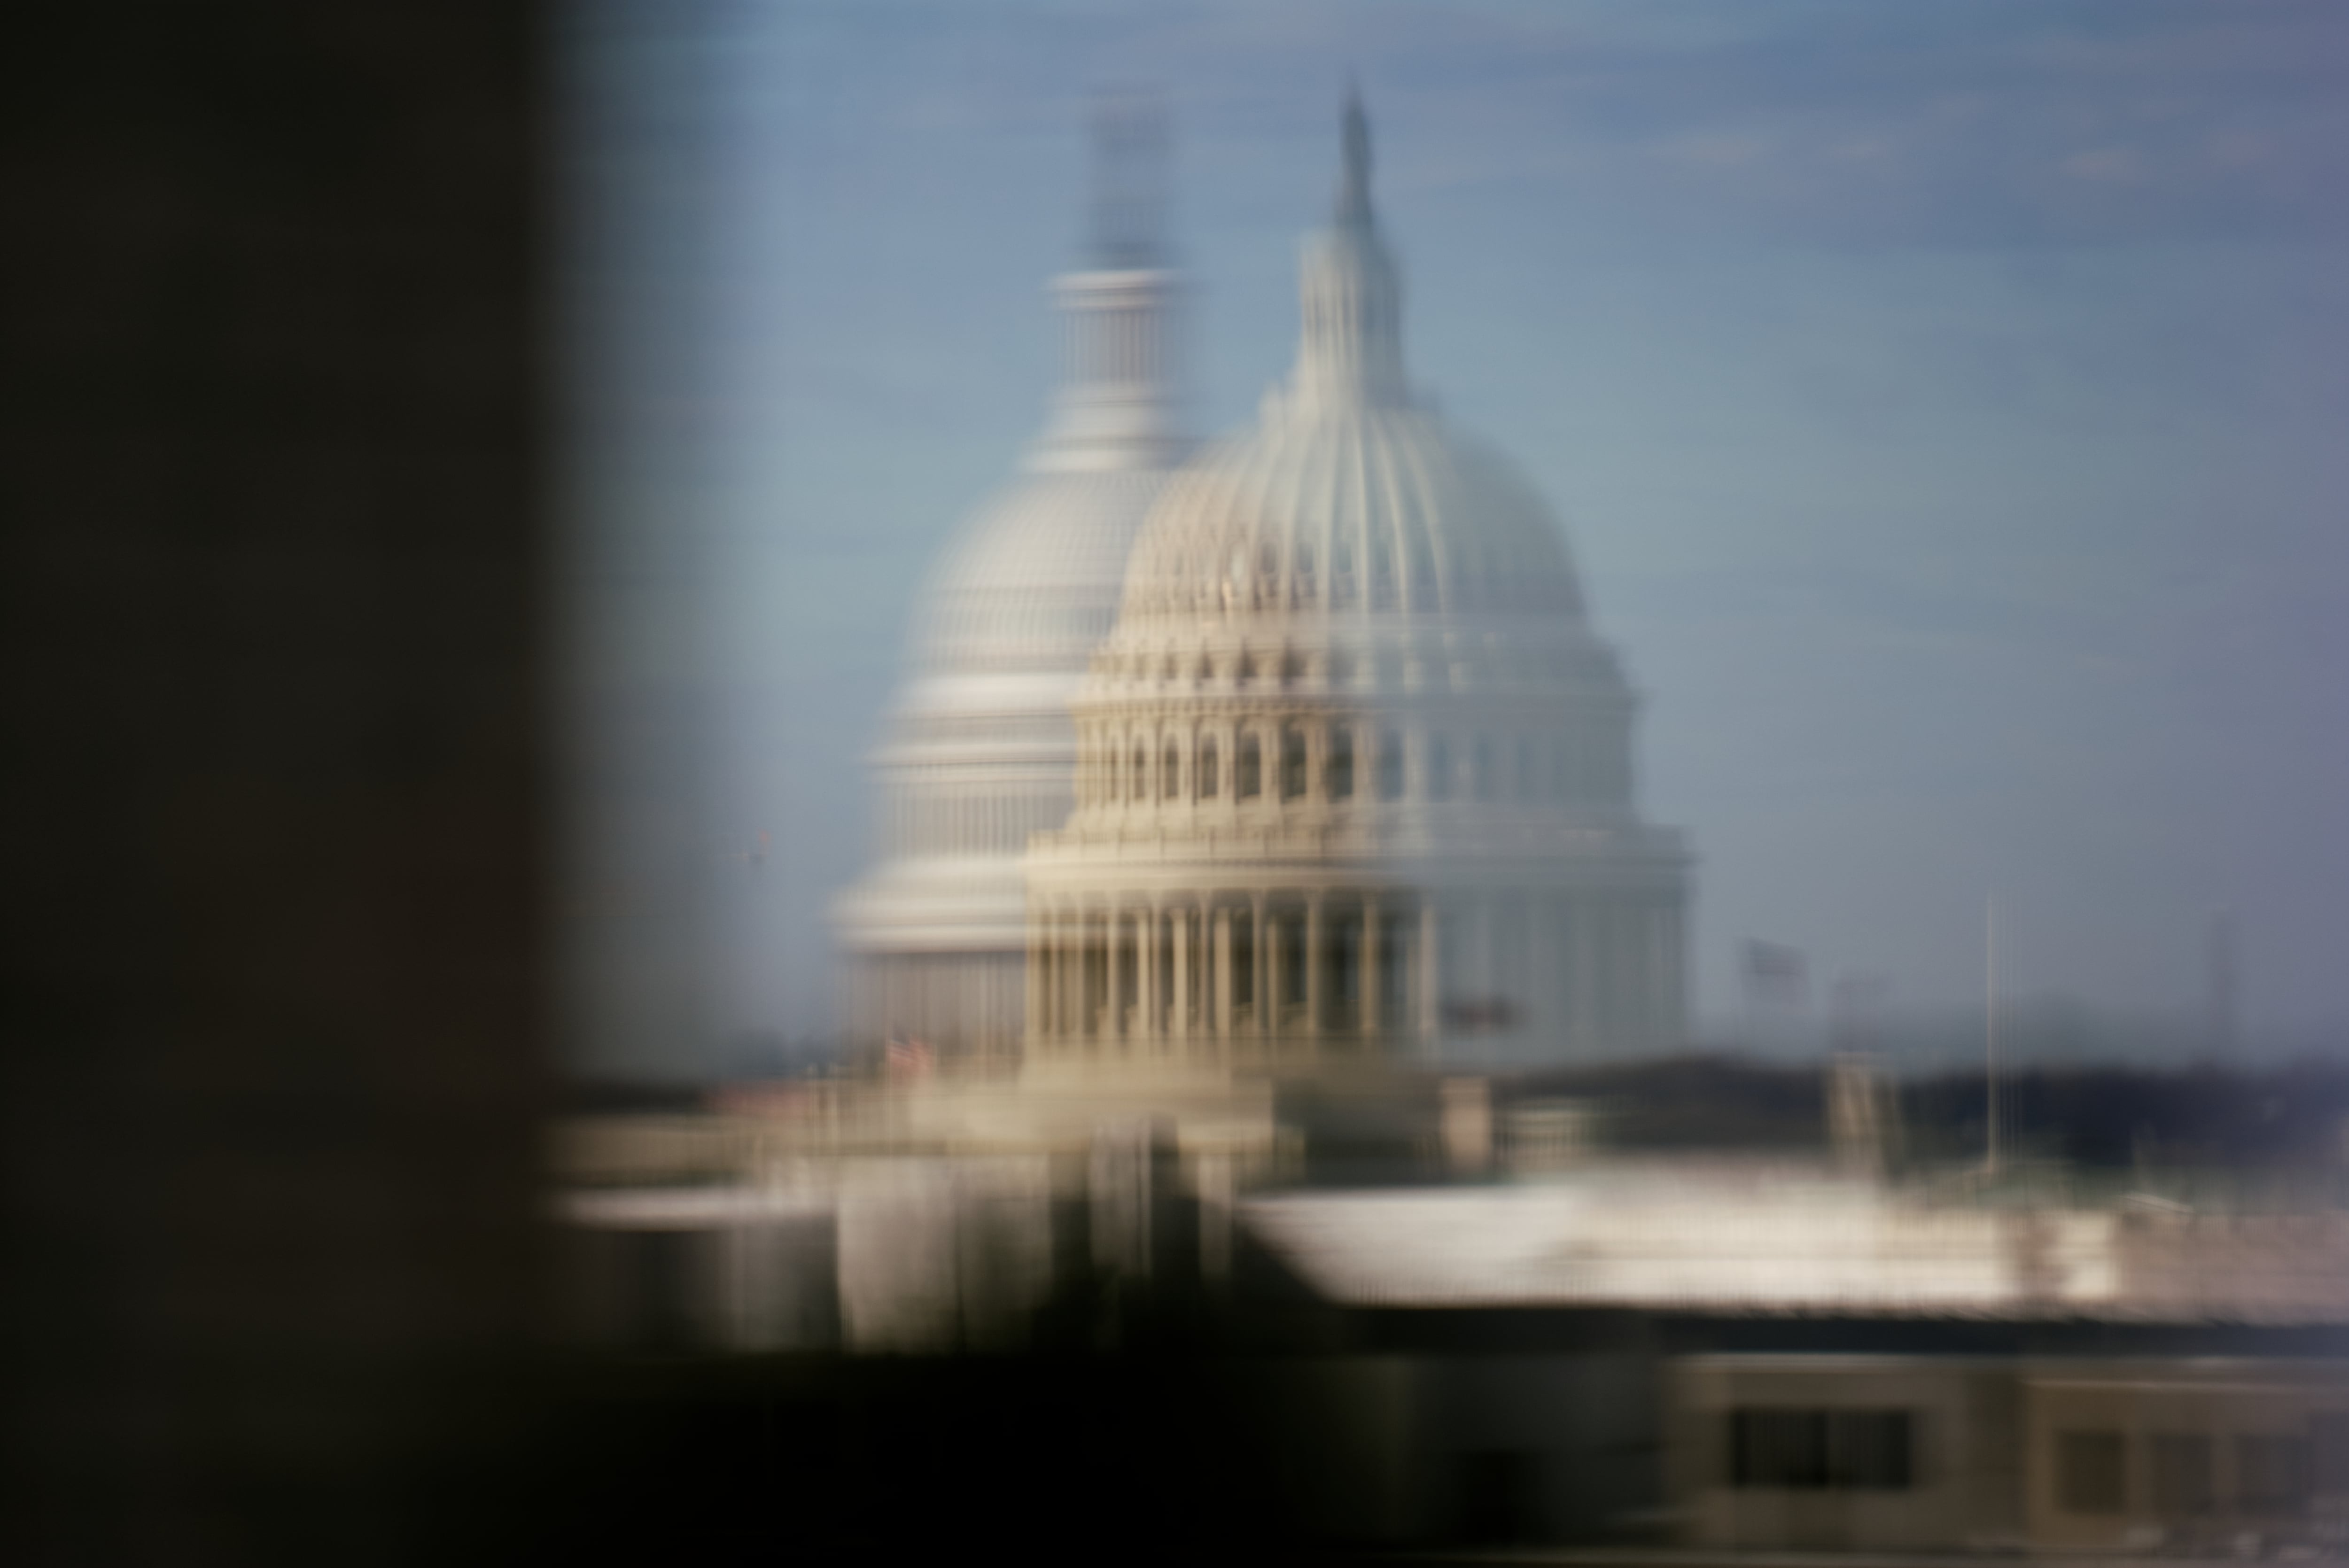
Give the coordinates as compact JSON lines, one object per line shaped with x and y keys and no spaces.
{"x":2181,"y":1473}
{"x":2092,"y":1473}
{"x":2272,"y":1474}
{"x":1389,"y":765}
{"x":1439,"y":769}
{"x":1292,"y":763}
{"x":1798,"y":1450}
{"x":2329,"y":1445}
{"x":1340,"y":770}
{"x":1170,"y":780}
{"x":1249,"y":780}
{"x":1208,"y":782}
{"x":1140,"y":775}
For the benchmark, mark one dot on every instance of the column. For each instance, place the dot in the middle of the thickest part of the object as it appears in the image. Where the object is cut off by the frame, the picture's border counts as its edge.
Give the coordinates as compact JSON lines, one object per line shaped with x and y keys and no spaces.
{"x":1178,"y":1021}
{"x":1485,"y":935}
{"x":1065,"y":1022}
{"x":1431,"y":972}
{"x":1149,"y":983}
{"x":1675,"y":975}
{"x":1368,"y":974}
{"x":1222,"y":969}
{"x":1032,"y":976}
{"x":1316,"y":965}
{"x":1659,"y":975}
{"x":1276,"y":975}
{"x":1260,"y":975}
{"x":1584,"y":942}
{"x":1117,"y":970}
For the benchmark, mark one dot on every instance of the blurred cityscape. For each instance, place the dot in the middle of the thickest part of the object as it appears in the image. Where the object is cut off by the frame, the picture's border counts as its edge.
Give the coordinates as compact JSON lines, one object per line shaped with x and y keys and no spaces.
{"x":1266,"y":972}
{"x":1790,"y":1013}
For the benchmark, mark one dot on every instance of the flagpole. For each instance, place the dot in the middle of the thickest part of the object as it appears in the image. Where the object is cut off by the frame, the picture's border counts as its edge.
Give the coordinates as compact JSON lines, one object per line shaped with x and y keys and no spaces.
{"x":1990,"y":1025}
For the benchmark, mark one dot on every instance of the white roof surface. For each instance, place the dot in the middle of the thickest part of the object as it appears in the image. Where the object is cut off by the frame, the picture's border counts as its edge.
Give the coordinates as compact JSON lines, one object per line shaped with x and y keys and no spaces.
{"x":1780,"y":1243}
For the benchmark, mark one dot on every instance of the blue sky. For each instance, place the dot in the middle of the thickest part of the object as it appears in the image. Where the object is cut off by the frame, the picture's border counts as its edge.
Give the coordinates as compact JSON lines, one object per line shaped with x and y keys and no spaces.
{"x":1944,"y":400}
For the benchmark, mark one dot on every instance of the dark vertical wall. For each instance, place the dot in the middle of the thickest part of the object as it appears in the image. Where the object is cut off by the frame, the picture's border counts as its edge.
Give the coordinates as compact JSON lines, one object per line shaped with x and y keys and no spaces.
{"x":270,"y":540}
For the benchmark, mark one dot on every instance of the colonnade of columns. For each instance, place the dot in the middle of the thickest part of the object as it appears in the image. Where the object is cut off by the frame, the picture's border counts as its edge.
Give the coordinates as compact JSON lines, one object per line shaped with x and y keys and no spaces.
{"x":1195,"y":973}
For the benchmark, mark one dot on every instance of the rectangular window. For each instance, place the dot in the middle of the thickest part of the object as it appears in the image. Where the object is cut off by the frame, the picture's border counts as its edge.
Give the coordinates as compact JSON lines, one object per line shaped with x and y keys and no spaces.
{"x":1340,"y":770}
{"x":2092,"y":1473}
{"x":2329,"y":1445}
{"x":1292,"y":764}
{"x":2181,"y":1474}
{"x":2272,"y":1474}
{"x":1208,"y":782}
{"x":1389,"y":765}
{"x":1821,"y":1449}
{"x":1248,"y":781}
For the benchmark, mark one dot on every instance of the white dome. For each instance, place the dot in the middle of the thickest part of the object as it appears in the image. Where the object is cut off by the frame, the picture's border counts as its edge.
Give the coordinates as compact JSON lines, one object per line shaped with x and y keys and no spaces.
{"x":1339,"y":511}
{"x":1031,"y":587}
{"x":1354,"y":773}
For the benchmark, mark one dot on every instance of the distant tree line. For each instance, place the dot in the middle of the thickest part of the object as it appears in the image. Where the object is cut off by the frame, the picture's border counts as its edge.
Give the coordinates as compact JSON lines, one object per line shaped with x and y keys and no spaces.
{"x":2109,"y":1117}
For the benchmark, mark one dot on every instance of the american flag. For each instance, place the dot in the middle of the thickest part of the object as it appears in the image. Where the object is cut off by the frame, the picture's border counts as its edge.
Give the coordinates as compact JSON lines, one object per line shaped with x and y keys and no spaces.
{"x":910,"y":1059}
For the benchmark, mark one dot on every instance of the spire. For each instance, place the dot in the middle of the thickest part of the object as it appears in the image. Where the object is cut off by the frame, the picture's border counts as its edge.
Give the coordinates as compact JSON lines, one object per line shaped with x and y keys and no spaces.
{"x":1128,"y":219}
{"x":1349,"y":352}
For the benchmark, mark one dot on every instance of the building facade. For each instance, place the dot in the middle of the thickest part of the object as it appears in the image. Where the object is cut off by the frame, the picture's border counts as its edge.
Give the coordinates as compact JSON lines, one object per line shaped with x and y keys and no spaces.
{"x":1354,"y":773}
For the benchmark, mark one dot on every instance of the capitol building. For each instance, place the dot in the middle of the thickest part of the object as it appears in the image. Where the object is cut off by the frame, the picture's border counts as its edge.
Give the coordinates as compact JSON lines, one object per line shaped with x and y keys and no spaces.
{"x":1296,"y":753}
{"x":981,"y":751}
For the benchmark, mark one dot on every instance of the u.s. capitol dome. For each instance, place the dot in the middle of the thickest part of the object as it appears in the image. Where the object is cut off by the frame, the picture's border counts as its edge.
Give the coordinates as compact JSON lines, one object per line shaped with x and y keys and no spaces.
{"x":1354,"y":772}
{"x":980,"y":751}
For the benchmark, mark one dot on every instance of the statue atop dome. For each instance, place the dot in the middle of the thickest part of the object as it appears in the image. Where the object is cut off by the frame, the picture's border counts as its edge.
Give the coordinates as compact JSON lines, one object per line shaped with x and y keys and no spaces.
{"x":1128,"y":215}
{"x":1354,"y":185}
{"x":1350,"y":347}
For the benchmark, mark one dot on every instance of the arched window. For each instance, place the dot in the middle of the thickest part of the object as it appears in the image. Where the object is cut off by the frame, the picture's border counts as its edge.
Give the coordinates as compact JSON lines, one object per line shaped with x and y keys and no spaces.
{"x":1208,"y":782}
{"x":1439,"y":769}
{"x":1141,"y":778}
{"x":1292,"y":763}
{"x":1339,"y":770}
{"x":1170,"y":779}
{"x":1480,"y":769}
{"x":1389,"y":765}
{"x":1248,"y":772}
